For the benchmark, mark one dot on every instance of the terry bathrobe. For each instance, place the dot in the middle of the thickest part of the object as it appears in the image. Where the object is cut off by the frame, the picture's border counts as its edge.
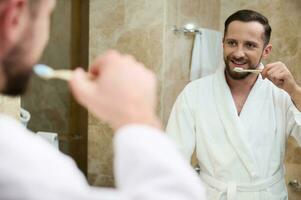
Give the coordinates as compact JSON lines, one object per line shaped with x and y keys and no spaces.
{"x":240,"y":156}
{"x":31,"y":169}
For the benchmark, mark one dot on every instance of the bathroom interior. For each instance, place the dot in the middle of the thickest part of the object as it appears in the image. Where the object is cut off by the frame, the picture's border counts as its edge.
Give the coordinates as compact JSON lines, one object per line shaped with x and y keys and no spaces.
{"x":83,"y":29}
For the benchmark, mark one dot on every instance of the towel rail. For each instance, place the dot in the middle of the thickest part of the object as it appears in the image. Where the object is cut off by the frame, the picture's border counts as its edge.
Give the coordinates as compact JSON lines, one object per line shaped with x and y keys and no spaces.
{"x":187,"y":28}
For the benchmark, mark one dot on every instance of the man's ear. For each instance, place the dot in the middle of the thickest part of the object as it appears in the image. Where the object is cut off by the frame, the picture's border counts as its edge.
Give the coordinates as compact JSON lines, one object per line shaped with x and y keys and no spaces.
{"x":266,"y":51}
{"x":14,"y":15}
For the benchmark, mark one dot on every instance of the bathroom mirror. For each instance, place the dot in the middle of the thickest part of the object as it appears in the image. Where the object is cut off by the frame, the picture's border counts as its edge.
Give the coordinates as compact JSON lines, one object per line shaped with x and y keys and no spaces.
{"x":285,"y":48}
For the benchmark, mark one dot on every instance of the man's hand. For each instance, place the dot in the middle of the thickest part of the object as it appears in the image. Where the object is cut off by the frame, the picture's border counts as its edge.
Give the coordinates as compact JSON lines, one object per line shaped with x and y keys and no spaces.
{"x":122,"y":91}
{"x":279,"y":74}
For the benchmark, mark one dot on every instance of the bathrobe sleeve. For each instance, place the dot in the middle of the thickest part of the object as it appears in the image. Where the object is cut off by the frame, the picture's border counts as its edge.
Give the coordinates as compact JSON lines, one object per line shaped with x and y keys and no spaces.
{"x":294,"y":123}
{"x":181,"y":125}
{"x":147,"y":167}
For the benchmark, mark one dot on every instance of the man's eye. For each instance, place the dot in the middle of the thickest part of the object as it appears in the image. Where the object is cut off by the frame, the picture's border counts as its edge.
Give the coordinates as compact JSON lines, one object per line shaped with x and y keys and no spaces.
{"x":231,"y":43}
{"x":250,"y":45}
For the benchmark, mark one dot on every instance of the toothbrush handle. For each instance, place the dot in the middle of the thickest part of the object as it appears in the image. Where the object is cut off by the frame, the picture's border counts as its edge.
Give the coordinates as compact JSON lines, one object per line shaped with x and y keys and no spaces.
{"x":255,"y":71}
{"x":67,"y":75}
{"x":63,"y":74}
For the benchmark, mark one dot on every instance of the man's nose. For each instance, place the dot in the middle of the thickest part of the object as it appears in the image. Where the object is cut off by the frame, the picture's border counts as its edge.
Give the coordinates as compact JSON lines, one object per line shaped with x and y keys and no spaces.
{"x":239,"y":53}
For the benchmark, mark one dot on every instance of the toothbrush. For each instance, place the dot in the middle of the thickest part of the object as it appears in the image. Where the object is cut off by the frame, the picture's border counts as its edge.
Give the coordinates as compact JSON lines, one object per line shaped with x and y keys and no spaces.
{"x":47,"y":72}
{"x":241,"y":70}
{"x":255,"y":71}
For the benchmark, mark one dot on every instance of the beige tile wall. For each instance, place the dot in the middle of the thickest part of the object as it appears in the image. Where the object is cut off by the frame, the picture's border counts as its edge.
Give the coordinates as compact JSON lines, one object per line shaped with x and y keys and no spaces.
{"x":177,"y":47}
{"x":10,"y":106}
{"x":132,"y":26}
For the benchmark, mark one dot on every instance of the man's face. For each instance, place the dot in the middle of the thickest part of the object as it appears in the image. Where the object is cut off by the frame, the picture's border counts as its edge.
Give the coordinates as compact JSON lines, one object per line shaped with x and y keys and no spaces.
{"x":17,"y":64}
{"x":243,"y":47}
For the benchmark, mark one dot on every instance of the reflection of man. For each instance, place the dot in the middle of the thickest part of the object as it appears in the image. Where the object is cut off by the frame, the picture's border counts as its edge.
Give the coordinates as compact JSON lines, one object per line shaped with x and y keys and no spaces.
{"x":238,"y":123}
{"x":31,"y":169}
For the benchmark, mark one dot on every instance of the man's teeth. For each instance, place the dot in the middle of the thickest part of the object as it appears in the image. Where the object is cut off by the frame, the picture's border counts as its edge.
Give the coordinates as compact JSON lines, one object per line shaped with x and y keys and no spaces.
{"x":239,"y":63}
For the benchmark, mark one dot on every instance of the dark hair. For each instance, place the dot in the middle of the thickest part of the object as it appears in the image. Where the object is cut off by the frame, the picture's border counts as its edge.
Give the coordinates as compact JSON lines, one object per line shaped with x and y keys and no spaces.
{"x":251,"y":16}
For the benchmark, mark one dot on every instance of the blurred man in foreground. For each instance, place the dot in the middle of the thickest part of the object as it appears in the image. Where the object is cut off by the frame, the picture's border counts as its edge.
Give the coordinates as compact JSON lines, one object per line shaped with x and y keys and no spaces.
{"x":31,"y":169}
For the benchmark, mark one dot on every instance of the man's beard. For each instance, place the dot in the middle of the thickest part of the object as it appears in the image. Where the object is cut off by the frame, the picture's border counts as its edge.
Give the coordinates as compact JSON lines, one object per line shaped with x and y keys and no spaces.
{"x":237,"y":75}
{"x":16,"y":72}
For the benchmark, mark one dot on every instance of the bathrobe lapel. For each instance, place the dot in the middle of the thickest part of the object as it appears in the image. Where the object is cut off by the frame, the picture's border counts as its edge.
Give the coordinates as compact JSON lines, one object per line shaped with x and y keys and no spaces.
{"x":254,"y":103}
{"x":234,"y":129}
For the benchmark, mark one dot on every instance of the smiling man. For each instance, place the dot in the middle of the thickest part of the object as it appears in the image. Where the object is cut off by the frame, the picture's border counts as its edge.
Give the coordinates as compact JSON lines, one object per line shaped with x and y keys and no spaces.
{"x":238,"y":123}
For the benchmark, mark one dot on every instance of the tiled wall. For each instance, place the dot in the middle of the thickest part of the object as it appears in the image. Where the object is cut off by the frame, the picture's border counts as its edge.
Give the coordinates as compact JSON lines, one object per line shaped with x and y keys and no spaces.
{"x":178,"y":47}
{"x":131,"y":26}
{"x":10,"y":106}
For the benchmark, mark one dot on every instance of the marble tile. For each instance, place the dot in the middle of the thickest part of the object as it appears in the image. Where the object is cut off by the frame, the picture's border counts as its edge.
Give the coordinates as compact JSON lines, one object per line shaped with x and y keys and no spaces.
{"x":178,"y":47}
{"x":100,"y":153}
{"x":132,"y":27}
{"x":293,"y":171}
{"x":293,"y":166}
{"x":144,"y":14}
{"x":293,"y":152}
{"x":10,"y":106}
{"x":107,"y":14}
{"x":145,"y":45}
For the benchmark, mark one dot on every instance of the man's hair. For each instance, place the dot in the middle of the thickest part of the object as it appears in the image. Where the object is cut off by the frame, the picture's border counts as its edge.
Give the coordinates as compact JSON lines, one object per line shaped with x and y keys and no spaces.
{"x":251,"y":16}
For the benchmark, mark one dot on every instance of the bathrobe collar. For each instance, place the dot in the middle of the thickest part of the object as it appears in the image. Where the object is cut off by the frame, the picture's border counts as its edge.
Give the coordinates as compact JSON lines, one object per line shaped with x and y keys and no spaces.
{"x":234,"y":125}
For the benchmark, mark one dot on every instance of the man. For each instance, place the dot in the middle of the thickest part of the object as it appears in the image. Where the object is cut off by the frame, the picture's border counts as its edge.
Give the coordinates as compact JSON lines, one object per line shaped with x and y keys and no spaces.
{"x":238,"y":123}
{"x":30,"y":169}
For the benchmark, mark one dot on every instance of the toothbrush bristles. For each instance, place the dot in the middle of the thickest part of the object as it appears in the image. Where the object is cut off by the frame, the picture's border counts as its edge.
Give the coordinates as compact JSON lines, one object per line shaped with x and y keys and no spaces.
{"x":43,"y":71}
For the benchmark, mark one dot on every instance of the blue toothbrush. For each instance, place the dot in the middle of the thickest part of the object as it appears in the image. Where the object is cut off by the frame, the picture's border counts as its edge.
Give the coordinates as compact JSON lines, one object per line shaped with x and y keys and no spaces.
{"x":47,"y":72}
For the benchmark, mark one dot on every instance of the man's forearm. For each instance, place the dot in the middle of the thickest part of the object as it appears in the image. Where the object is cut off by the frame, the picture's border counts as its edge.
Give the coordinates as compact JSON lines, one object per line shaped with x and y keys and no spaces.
{"x":296,"y":97}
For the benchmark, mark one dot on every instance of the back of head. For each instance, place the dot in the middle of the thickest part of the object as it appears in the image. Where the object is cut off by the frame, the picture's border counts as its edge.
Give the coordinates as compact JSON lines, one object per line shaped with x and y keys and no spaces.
{"x":24,"y":32}
{"x":250,"y":16}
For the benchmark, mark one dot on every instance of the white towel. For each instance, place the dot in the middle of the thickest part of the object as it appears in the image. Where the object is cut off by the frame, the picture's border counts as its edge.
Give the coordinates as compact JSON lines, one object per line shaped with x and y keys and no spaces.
{"x":207,"y":53}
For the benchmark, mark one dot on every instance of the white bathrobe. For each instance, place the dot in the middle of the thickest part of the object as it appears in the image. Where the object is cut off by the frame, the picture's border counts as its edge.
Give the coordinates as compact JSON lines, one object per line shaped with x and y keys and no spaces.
{"x":147,"y":167}
{"x":240,"y":156}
